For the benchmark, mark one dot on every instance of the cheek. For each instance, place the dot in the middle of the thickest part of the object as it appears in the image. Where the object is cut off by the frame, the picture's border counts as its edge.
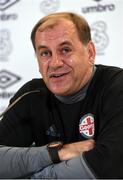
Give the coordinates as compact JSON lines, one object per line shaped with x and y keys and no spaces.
{"x":75,"y":62}
{"x":71,"y":61}
{"x":42,"y":68}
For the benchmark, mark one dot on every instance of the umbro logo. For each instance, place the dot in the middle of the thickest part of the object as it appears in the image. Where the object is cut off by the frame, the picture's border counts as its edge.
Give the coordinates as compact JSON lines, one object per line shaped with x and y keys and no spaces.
{"x":7,"y":79}
{"x":4,"y":4}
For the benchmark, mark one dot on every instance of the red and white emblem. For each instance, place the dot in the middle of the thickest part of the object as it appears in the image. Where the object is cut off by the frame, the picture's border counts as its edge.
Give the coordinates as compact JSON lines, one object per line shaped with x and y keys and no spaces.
{"x":86,"y":126}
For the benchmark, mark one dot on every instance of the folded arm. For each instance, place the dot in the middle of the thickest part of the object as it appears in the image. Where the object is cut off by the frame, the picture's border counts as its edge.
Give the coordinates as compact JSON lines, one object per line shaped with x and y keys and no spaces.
{"x":22,"y":162}
{"x":19,"y":162}
{"x":72,"y":165}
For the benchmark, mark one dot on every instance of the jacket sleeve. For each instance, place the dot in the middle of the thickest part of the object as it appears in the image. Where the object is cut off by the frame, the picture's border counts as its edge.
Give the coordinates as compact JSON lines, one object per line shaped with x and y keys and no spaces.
{"x":17,"y":117}
{"x":75,"y":168}
{"x":106,"y":159}
{"x":22,"y":162}
{"x":15,"y":120}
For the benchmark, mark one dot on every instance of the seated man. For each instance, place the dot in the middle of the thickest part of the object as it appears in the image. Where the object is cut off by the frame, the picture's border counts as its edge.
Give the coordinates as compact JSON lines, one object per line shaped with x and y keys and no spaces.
{"x":75,"y":102}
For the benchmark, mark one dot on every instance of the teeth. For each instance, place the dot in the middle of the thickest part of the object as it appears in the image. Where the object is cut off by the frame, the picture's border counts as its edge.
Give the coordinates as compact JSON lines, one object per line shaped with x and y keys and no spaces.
{"x":57,"y":75}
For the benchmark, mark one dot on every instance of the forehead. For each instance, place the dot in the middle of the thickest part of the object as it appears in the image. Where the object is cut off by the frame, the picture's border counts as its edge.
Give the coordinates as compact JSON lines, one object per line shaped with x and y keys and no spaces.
{"x":59,"y":30}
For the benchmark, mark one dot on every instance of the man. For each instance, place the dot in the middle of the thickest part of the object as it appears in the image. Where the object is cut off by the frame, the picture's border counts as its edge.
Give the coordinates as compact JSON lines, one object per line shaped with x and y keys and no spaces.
{"x":77,"y":103}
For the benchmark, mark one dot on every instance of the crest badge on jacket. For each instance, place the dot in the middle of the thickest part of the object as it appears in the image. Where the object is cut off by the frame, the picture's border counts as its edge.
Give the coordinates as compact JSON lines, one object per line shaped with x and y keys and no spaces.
{"x":86,"y":126}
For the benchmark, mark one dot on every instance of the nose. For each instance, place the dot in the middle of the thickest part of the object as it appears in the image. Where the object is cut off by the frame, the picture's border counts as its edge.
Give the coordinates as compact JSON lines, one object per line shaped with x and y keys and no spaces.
{"x":56,"y":61}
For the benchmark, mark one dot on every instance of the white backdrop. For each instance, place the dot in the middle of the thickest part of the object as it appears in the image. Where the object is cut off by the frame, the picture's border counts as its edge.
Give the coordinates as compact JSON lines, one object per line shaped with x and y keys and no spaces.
{"x":17,"y":18}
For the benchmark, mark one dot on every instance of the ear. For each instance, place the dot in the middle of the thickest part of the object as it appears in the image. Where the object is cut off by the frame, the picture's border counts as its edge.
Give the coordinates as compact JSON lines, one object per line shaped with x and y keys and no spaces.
{"x":91,"y":51}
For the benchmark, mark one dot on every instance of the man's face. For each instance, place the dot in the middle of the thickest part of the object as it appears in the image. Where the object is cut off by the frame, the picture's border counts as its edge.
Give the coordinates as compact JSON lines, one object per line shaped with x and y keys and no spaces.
{"x":64,"y":62}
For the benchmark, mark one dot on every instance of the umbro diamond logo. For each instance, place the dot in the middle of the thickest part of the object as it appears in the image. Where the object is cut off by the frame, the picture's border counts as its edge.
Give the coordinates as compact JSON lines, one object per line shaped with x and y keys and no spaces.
{"x":4,"y":4}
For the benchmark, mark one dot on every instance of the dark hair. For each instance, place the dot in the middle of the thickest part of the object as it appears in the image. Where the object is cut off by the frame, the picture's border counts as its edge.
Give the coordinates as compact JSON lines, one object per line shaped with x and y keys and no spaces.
{"x":80,"y":23}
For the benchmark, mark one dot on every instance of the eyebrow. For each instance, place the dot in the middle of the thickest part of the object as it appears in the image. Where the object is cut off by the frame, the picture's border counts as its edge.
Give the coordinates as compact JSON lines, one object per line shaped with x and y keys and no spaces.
{"x":65,"y":42}
{"x":42,"y":47}
{"x":62,"y":44}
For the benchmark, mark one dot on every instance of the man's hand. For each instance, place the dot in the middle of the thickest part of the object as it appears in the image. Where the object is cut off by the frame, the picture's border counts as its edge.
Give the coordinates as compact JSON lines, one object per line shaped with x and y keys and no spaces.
{"x":74,"y":149}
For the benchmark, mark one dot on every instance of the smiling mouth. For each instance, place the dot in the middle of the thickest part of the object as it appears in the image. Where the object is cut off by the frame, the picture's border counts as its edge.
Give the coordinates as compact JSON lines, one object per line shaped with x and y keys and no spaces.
{"x":57,"y":75}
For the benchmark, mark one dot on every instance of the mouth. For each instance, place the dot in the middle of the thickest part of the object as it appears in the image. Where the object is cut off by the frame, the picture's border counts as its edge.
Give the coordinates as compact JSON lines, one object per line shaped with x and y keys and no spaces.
{"x":54,"y":75}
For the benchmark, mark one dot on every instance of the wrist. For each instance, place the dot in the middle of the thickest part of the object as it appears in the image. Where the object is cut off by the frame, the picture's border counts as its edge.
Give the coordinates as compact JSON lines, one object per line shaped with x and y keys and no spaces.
{"x":61,"y":154}
{"x":53,"y":149}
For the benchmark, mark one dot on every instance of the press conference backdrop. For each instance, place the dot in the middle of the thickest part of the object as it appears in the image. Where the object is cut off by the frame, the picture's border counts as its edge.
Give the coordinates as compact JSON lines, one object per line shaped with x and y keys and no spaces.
{"x":18,"y":63}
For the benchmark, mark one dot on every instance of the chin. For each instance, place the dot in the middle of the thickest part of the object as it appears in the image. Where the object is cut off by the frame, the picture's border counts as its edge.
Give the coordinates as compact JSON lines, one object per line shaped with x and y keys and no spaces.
{"x":61,"y":93}
{"x":58,"y":92}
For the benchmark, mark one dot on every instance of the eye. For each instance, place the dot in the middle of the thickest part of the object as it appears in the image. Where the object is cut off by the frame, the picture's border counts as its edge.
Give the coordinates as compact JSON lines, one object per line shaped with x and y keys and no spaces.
{"x":66,"y":50}
{"x":45,"y":54}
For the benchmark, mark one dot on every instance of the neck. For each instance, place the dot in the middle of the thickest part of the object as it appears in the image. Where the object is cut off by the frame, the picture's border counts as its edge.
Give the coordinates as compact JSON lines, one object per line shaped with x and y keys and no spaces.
{"x":78,"y":96}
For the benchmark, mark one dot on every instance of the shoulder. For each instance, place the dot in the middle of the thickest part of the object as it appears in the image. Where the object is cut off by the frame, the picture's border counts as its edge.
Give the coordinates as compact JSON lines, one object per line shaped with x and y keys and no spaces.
{"x":108,"y":74}
{"x":34,"y":83}
{"x":31,"y":86}
{"x":107,"y":80}
{"x":111,"y":71}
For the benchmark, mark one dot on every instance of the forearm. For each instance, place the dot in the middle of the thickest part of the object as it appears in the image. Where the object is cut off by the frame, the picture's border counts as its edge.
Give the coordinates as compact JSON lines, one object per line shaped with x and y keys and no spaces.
{"x":75,"y":149}
{"x":75,"y":168}
{"x":22,"y":162}
{"x":73,"y":165}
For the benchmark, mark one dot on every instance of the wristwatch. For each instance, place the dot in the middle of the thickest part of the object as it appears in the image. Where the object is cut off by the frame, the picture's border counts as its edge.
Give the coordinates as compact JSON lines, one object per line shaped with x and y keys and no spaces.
{"x":53,"y":148}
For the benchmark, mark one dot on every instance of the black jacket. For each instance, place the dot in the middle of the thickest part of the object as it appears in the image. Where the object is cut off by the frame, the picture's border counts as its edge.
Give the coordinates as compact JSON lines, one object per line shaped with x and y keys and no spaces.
{"x":41,"y":118}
